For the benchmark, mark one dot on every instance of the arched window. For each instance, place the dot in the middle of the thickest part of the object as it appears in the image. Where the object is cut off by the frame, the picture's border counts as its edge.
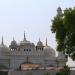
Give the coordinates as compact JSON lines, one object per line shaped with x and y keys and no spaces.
{"x":24,"y":49}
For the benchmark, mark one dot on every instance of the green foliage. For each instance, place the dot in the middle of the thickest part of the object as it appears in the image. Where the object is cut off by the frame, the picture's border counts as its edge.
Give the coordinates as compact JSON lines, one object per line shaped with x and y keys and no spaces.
{"x":64,"y":71}
{"x":64,"y":28}
{"x":3,"y":66}
{"x":46,"y":73}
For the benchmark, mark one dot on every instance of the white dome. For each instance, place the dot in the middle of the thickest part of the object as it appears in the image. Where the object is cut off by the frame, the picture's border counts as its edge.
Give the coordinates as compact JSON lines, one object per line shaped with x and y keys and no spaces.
{"x":39,"y":43}
{"x":24,"y":42}
{"x":4,"y":49}
{"x":49,"y":51}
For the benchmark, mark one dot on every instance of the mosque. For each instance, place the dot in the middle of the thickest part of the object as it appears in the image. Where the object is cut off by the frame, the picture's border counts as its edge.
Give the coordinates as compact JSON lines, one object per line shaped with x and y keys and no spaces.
{"x":27,"y":54}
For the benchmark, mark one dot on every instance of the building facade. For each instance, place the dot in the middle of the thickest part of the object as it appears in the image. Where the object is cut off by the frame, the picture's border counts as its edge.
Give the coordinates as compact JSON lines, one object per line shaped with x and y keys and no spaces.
{"x":26,"y":52}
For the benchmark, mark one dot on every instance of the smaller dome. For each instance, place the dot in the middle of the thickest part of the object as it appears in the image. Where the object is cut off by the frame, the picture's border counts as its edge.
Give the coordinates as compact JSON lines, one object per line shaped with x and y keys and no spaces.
{"x":13,"y":44}
{"x":49,"y":51}
{"x":39,"y":43}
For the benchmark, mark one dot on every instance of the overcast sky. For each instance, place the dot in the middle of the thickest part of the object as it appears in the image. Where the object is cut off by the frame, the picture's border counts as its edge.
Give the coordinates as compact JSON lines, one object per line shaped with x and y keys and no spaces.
{"x":32,"y":16}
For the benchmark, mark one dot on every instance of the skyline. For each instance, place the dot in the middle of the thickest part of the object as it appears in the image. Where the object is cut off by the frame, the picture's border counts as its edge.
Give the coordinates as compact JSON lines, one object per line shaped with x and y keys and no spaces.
{"x":32,"y":16}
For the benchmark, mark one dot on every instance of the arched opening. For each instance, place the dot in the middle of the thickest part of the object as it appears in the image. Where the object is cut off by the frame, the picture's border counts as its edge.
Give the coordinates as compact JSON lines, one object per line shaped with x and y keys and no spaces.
{"x":29,"y":66}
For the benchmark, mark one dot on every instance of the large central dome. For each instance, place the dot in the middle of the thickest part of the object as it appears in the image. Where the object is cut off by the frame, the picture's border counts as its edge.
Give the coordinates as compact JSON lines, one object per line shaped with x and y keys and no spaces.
{"x":25,"y":42}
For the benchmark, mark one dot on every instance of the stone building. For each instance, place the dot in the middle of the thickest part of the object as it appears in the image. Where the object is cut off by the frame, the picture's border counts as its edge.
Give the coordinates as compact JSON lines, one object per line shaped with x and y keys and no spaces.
{"x":26,"y":52}
{"x":15,"y":55}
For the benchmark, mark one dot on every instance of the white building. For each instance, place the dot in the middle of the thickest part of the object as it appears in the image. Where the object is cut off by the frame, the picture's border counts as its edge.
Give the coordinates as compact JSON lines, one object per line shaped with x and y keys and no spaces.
{"x":26,"y":52}
{"x":15,"y":55}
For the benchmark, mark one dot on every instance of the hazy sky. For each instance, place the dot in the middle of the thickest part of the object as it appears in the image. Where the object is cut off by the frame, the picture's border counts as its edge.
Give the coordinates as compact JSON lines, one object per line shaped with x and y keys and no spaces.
{"x":32,"y":16}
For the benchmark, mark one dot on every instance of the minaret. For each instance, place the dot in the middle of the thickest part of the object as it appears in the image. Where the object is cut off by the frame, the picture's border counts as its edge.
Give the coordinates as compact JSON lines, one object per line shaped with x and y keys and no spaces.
{"x":59,"y":11}
{"x":13,"y":38}
{"x":39,"y":39}
{"x":46,"y":42}
{"x":2,"y":41}
{"x":24,"y":36}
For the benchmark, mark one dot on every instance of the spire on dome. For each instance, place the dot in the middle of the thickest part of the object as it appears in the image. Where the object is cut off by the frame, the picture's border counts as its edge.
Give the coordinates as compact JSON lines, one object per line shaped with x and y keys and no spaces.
{"x":2,"y":41}
{"x":46,"y":42}
{"x":13,"y":38}
{"x":24,"y":36}
{"x":39,"y":39}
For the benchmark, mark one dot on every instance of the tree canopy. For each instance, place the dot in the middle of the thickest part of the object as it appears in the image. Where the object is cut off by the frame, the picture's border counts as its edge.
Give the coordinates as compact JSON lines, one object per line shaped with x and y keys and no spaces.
{"x":64,"y":71}
{"x":64,"y":28}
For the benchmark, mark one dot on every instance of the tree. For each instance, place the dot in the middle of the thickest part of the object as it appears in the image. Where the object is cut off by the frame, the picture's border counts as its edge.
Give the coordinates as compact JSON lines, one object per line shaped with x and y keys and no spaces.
{"x":3,"y":67}
{"x":46,"y":73}
{"x":64,"y":28}
{"x":64,"y":71}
